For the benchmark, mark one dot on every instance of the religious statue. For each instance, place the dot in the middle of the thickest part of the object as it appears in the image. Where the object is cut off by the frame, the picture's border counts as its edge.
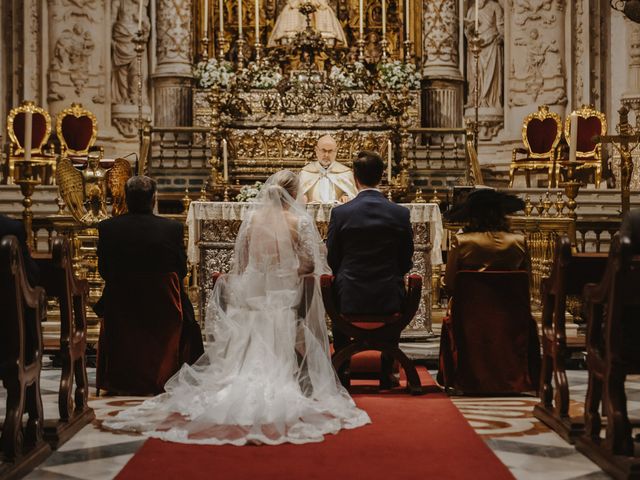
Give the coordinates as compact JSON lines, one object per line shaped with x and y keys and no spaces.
{"x":85,"y":192}
{"x":124,"y":75}
{"x":291,"y":21}
{"x":490,"y":37}
{"x":326,"y":180}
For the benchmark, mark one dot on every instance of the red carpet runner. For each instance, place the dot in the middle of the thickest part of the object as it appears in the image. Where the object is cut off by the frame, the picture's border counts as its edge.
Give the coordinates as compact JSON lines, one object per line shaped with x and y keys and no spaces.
{"x":421,"y":437}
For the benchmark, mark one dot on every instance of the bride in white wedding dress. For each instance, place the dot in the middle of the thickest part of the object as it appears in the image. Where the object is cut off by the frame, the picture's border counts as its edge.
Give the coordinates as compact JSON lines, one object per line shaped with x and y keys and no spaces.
{"x":266,"y":375}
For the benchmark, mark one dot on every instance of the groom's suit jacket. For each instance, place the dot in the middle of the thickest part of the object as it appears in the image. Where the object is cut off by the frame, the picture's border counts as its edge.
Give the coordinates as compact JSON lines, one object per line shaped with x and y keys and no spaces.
{"x":370,"y":246}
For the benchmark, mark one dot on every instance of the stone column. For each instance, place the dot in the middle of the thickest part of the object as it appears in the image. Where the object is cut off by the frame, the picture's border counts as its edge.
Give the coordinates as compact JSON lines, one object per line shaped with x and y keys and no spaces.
{"x":443,"y":82}
{"x":173,"y":77}
{"x":631,"y":97}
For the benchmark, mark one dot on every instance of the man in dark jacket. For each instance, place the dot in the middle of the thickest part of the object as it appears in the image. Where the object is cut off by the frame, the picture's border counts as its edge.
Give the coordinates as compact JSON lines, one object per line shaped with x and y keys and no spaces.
{"x":370,"y":247}
{"x":141,"y":242}
{"x":8,"y":226}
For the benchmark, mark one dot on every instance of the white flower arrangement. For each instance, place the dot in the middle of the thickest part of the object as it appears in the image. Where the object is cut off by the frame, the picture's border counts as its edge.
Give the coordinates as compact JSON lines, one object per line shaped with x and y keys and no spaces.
{"x":264,"y":76}
{"x":213,"y":72}
{"x":395,"y":75}
{"x":351,"y":78}
{"x":248,"y":193}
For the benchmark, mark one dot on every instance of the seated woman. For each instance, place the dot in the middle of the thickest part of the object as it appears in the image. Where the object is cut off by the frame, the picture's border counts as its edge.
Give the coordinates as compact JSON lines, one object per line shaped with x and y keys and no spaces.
{"x":486,"y":242}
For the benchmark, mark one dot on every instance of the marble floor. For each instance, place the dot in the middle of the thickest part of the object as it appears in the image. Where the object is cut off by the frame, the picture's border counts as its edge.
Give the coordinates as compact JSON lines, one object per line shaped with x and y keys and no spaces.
{"x":523,"y":444}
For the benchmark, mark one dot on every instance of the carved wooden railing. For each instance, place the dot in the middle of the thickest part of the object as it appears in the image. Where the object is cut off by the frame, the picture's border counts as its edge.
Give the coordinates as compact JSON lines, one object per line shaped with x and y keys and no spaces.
{"x":594,"y":235}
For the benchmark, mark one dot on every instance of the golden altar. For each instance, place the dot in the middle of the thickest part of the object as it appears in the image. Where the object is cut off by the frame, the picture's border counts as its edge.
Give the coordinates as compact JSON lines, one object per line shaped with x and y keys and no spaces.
{"x":213,"y":227}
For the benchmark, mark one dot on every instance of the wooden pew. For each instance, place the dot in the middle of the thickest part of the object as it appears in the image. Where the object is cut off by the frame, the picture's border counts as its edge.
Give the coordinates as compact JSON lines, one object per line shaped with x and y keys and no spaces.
{"x":613,"y":336}
{"x":59,"y":282}
{"x":569,"y":274}
{"x":22,"y":308}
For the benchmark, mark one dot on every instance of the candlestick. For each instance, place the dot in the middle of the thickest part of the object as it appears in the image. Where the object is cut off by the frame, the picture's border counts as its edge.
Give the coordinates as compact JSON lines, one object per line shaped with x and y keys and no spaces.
{"x":140,"y":5}
{"x":28,"y":132}
{"x":361,"y":23}
{"x":240,"y":18}
{"x":384,"y":18}
{"x":406,"y":20}
{"x":221,"y":17}
{"x":389,"y":161}
{"x":225,"y":162}
{"x":573,"y":140}
{"x":476,"y":8}
{"x":257,"y":21}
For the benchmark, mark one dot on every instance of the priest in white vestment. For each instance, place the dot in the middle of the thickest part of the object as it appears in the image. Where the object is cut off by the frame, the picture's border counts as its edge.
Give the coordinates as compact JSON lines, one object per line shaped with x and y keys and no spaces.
{"x":327,"y":180}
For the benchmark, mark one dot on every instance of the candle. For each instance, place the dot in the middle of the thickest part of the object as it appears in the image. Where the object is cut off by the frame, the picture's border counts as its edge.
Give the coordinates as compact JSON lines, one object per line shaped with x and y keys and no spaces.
{"x":205,"y":20}
{"x":240,"y":18}
{"x":28,"y":132}
{"x":573,"y":137}
{"x":384,"y":18}
{"x":389,"y":160}
{"x":406,"y":20}
{"x":221,"y":18}
{"x":476,"y":7}
{"x":257,"y":21}
{"x":225,"y":161}
{"x":361,"y":20}
{"x":140,"y":6}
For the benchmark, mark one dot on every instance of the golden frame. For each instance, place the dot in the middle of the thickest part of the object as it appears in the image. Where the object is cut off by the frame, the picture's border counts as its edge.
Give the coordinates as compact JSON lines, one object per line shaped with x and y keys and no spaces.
{"x":532,"y":161}
{"x":27,"y":106}
{"x":76,"y":110}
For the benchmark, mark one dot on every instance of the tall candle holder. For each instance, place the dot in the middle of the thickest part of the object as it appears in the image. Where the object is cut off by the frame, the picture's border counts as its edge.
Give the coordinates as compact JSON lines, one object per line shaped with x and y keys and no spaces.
{"x":28,"y":175}
{"x":408,"y":50}
{"x":571,"y":188}
{"x":474,"y":46}
{"x":360,"y":44}
{"x":222,"y":46}
{"x":384,"y":45}
{"x":240,"y":44}
{"x":139,"y":42}
{"x":258,"y":49}
{"x":204,"y":52}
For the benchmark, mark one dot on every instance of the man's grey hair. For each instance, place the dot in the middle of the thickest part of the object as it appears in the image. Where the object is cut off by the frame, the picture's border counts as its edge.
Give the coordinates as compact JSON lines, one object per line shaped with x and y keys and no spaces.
{"x":140,"y":191}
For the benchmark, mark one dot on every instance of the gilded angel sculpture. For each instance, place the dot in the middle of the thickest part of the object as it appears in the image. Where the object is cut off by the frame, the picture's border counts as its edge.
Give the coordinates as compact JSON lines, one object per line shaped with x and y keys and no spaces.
{"x":85,"y":192}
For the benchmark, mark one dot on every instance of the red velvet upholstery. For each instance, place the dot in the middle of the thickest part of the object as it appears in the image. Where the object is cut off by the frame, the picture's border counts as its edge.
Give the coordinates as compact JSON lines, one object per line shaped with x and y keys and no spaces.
{"x":489,"y":345}
{"x":541,"y":135}
{"x":375,"y":332}
{"x":77,"y":132}
{"x":39,"y":129}
{"x":587,"y":129}
{"x":139,"y":346}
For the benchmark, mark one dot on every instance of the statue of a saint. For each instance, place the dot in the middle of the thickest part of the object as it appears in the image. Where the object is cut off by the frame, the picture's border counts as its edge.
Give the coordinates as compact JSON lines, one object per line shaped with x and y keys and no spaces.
{"x":490,"y":37}
{"x":326,"y":180}
{"x":324,"y":21}
{"x":124,"y":75}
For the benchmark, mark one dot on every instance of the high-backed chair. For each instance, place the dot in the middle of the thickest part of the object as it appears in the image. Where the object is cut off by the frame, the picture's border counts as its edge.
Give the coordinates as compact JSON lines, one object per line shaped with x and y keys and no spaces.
{"x":541,"y":133}
{"x":139,"y":347}
{"x":375,"y":332}
{"x":59,"y":281}
{"x":569,"y":274}
{"x":22,"y":308}
{"x":40,"y":133}
{"x":613,"y":334}
{"x":591,"y":123}
{"x":489,"y":344}
{"x":77,"y":129}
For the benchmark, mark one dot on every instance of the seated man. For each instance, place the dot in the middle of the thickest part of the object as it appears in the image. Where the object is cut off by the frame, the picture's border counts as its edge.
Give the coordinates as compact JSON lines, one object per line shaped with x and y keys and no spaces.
{"x":326,"y":180}
{"x":8,"y":226}
{"x":140,"y":241}
{"x":631,"y":228}
{"x":370,"y":247}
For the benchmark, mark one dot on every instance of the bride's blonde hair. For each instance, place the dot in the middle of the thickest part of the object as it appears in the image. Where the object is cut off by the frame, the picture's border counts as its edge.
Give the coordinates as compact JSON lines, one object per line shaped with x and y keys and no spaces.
{"x":288,"y":181}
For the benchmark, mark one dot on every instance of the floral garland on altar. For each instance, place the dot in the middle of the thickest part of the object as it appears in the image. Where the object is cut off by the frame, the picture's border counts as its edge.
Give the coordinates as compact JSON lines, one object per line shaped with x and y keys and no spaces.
{"x":249,"y":192}
{"x":395,"y":75}
{"x":211,"y":72}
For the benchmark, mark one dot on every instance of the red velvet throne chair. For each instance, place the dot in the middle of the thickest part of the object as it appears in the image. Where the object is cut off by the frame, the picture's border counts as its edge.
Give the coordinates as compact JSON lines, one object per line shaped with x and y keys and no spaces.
{"x":541,"y":133}
{"x":40,"y":133}
{"x":77,"y":129}
{"x":375,"y":332}
{"x":489,"y":343}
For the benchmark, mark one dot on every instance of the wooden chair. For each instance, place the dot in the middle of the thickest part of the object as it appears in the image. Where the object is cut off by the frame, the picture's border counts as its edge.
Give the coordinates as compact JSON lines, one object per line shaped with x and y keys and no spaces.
{"x":541,"y":133}
{"x":77,"y":130}
{"x":591,"y":123}
{"x":613,"y":335}
{"x":139,"y":347}
{"x":41,"y":131}
{"x":489,"y":344}
{"x":569,"y":274}
{"x":375,"y":332}
{"x":59,"y":281}
{"x":22,"y":308}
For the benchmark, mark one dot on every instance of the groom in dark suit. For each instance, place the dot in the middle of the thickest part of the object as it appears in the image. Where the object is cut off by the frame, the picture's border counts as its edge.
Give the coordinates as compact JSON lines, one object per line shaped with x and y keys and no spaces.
{"x":370,"y":246}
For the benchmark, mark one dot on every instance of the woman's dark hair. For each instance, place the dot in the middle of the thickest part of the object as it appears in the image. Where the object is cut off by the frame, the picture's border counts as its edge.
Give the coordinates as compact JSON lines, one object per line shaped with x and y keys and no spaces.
{"x":368,"y":168}
{"x":139,"y":192}
{"x":488,"y":220}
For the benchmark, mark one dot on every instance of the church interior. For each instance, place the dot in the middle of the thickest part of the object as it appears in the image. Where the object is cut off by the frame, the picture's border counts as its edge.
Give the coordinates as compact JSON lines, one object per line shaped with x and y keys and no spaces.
{"x":532,"y":373}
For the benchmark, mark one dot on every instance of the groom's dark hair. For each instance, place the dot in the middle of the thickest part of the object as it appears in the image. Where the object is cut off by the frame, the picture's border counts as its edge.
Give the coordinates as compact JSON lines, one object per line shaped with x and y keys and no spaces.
{"x":368,"y":168}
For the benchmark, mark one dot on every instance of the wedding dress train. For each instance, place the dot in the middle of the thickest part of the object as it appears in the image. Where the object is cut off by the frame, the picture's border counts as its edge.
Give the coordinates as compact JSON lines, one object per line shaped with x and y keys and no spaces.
{"x":266,"y":375}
